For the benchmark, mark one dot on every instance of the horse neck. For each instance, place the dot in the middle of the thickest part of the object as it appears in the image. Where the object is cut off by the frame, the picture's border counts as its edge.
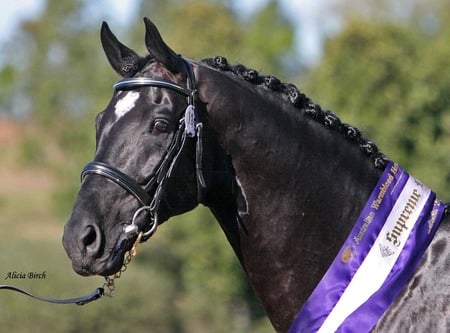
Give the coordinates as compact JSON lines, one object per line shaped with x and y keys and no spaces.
{"x":301,"y":188}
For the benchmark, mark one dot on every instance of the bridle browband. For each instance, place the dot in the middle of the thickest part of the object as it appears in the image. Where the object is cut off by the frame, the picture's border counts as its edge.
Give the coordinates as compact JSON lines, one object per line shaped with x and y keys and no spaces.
{"x":137,"y":82}
{"x":189,"y":127}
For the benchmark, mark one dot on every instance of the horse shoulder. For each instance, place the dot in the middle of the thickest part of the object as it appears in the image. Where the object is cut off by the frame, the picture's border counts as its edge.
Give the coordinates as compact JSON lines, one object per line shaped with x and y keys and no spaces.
{"x":424,"y":304}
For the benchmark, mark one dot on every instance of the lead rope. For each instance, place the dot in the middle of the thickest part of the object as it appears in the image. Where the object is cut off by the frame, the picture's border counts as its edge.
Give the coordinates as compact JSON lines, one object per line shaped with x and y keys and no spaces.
{"x":109,"y":285}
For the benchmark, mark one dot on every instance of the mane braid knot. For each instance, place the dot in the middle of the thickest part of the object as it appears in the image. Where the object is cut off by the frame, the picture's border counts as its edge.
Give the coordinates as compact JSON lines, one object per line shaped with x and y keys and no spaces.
{"x":293,"y":95}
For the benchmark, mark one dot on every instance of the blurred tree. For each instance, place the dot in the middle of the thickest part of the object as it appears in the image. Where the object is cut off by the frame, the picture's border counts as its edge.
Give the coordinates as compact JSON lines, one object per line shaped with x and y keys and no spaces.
{"x":201,"y":29}
{"x":57,"y":83}
{"x":65,"y":81}
{"x":196,"y":29}
{"x":268,"y":41}
{"x":8,"y":78}
{"x":387,"y":78}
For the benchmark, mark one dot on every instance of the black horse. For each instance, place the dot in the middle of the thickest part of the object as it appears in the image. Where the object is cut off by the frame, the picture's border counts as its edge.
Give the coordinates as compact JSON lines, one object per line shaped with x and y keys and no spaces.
{"x":285,"y":179}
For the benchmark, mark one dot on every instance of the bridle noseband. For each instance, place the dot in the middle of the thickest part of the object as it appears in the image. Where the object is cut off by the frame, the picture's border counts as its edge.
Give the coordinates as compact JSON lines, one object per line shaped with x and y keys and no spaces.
{"x":189,"y":127}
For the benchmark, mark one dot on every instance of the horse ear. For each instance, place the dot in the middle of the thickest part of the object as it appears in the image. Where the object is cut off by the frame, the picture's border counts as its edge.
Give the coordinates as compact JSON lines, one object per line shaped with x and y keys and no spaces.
{"x":159,"y":49}
{"x":124,"y":60}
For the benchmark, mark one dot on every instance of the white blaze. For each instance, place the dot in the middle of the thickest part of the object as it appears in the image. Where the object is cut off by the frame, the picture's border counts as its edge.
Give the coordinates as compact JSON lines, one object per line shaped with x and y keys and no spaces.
{"x":125,"y":104}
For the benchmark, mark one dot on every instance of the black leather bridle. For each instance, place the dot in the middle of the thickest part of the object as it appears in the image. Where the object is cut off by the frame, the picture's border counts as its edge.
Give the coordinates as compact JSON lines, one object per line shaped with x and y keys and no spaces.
{"x":189,"y":127}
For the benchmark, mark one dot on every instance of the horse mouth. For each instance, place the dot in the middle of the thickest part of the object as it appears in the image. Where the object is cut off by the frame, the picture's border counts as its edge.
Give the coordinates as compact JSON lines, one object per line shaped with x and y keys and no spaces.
{"x":117,"y":256}
{"x":107,"y":265}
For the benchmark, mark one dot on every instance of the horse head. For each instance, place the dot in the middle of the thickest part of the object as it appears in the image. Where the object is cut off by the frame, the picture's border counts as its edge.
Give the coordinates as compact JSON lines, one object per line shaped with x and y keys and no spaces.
{"x":152,"y":123}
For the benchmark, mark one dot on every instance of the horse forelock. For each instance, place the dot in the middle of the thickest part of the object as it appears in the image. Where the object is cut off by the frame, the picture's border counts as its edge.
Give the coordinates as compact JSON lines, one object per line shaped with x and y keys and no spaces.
{"x":288,"y":92}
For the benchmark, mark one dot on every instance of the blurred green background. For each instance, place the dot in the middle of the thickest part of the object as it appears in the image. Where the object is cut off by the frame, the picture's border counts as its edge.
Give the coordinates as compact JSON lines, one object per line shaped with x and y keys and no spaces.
{"x":381,"y":65}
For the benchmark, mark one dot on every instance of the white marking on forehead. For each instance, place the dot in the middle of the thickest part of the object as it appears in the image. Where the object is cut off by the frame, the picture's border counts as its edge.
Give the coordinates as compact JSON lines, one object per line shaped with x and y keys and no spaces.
{"x":125,"y":104}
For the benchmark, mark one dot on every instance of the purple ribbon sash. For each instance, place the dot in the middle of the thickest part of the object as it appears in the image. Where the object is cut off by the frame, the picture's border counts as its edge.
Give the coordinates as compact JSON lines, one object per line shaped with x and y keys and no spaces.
{"x":377,"y":259}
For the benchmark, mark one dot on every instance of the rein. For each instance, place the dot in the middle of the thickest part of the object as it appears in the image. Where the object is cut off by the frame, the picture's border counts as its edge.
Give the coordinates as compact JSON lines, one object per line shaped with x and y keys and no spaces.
{"x":189,"y":127}
{"x":96,"y":294}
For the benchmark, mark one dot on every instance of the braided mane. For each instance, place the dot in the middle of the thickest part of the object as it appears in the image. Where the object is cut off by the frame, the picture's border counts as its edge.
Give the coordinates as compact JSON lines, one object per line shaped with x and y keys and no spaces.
{"x":291,"y":93}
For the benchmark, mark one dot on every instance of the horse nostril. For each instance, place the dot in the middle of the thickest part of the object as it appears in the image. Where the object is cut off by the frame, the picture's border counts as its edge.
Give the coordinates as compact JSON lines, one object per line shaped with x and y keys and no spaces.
{"x":89,"y":237}
{"x":90,"y":240}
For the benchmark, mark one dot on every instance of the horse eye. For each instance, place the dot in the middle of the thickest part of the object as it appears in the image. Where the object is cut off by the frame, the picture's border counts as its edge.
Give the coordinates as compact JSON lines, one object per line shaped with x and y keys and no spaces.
{"x":160,"y":126}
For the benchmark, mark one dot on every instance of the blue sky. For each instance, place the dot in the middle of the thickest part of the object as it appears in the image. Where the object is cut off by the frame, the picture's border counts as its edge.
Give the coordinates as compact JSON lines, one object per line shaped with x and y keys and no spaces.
{"x":304,"y":13}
